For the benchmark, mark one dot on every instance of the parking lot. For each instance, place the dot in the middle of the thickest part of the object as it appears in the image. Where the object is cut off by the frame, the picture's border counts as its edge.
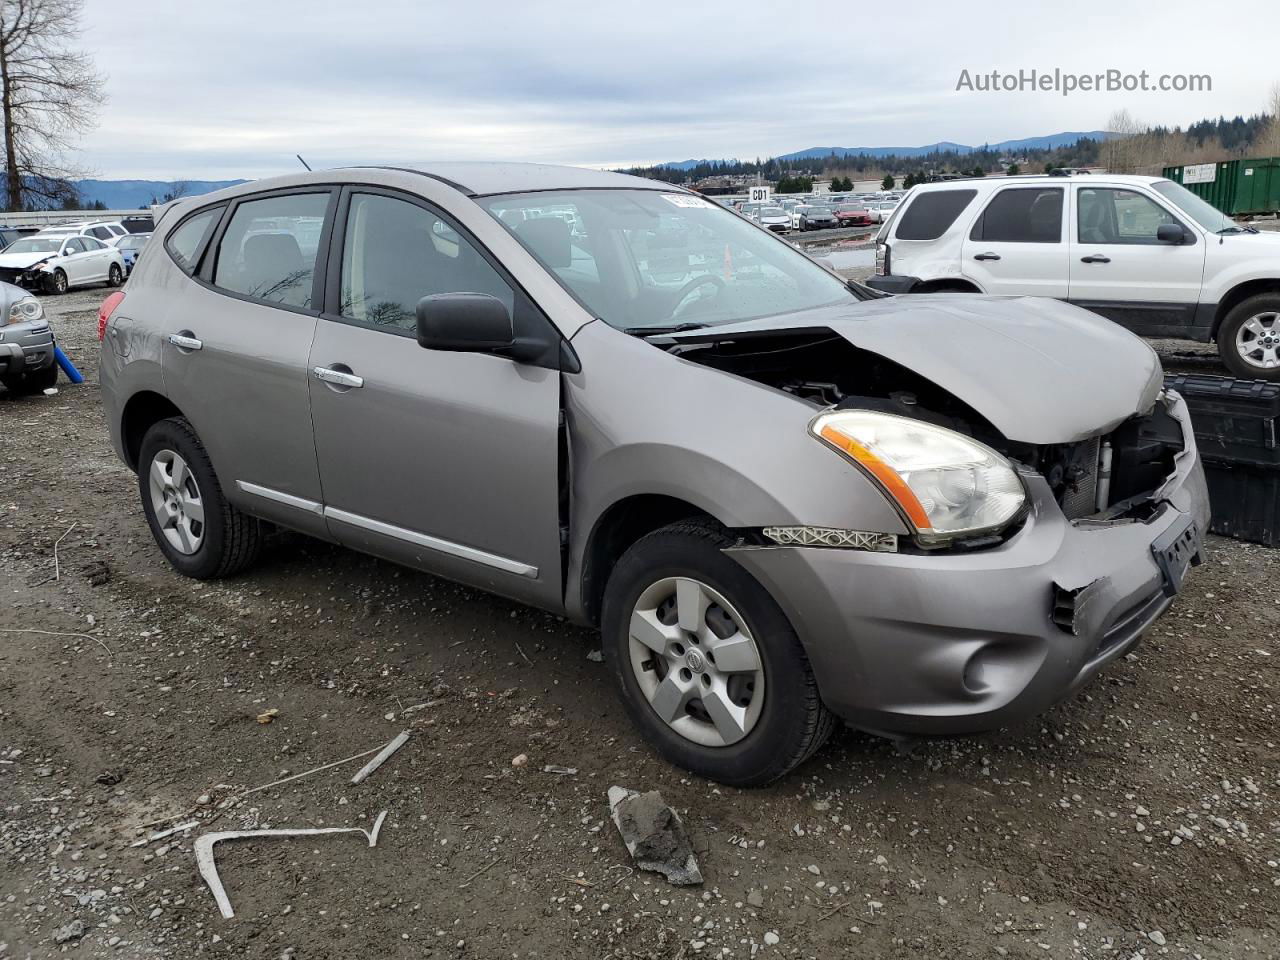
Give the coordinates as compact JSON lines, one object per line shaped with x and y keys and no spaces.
{"x":1138,"y":818}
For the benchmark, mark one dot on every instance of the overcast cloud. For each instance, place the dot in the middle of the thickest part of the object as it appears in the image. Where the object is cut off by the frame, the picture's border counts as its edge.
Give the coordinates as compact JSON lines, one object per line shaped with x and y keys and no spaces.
{"x":236,"y":88}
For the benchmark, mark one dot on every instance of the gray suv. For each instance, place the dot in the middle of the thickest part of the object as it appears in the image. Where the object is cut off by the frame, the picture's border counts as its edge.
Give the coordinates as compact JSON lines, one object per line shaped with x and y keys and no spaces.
{"x":782,"y":497}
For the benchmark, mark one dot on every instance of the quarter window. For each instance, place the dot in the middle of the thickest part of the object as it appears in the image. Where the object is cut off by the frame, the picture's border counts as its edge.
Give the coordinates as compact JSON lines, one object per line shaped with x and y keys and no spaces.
{"x":1021,"y":216}
{"x":1108,"y":215}
{"x":185,"y":242}
{"x":268,"y":251}
{"x":931,"y":214}
{"x":394,"y":253}
{"x":102,"y":233}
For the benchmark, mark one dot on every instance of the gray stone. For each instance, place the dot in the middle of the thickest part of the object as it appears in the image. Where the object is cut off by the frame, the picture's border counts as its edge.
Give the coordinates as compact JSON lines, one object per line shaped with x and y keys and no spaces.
{"x":654,"y":835}
{"x":71,"y":931}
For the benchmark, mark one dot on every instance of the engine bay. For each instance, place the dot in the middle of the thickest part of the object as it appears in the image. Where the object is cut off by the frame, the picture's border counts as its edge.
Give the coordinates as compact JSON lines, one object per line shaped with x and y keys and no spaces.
{"x":1107,"y":477}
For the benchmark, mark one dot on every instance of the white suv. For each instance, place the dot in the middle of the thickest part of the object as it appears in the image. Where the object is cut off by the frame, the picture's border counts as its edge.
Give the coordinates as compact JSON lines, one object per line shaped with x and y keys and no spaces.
{"x":1142,"y":251}
{"x":109,"y":232}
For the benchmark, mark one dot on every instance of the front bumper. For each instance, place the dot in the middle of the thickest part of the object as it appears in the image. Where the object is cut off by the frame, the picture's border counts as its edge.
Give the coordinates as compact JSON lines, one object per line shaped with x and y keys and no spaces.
{"x":29,"y":278}
{"x":956,"y":643}
{"x":26,"y":348}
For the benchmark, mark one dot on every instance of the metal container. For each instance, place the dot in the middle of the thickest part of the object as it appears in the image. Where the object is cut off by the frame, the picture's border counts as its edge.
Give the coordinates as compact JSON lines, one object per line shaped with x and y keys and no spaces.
{"x":1236,"y":187}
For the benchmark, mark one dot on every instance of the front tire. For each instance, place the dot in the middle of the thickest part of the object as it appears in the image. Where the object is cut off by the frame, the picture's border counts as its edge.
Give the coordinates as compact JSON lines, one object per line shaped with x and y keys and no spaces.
{"x":708,"y":666}
{"x":199,"y":532}
{"x":1249,"y":338}
{"x":115,"y":276}
{"x":29,"y":383}
{"x":58,"y":282}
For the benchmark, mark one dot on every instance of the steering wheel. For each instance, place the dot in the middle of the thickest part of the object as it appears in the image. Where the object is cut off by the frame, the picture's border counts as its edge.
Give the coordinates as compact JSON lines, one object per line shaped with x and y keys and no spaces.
{"x":683,"y":294}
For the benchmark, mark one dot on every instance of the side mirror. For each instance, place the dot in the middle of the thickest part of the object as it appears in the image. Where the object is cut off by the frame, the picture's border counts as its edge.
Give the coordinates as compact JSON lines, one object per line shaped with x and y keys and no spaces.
{"x":464,"y":322}
{"x":1171,"y":233}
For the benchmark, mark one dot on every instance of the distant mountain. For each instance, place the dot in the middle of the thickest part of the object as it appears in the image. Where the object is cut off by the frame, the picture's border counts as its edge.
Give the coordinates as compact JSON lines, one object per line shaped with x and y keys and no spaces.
{"x":134,"y":194}
{"x":1049,"y":142}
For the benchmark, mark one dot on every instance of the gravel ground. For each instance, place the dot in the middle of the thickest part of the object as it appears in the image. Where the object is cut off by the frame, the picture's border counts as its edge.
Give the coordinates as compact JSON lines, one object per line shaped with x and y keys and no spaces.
{"x":1140,"y":818}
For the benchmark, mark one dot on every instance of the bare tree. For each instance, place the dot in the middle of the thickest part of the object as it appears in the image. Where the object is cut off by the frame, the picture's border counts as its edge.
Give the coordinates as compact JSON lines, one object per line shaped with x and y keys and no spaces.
{"x":50,"y":97}
{"x":1268,"y":144}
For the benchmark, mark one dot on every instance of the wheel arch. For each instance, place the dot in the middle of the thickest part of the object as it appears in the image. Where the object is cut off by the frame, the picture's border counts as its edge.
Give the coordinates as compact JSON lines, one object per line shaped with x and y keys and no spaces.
{"x":143,"y":410}
{"x":1238,"y":294}
{"x":950,"y":285}
{"x":615,"y":530}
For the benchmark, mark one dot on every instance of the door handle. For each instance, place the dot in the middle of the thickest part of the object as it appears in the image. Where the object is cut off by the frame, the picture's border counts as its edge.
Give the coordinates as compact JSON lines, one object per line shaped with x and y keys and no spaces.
{"x":987,"y":256}
{"x":184,"y":342}
{"x":1095,"y":258}
{"x":339,"y":378}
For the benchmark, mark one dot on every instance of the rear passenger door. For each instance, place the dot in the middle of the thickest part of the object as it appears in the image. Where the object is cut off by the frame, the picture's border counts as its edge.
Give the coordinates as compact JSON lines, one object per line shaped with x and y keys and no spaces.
{"x":448,"y":462}
{"x":97,"y":259}
{"x":1018,"y":244}
{"x":237,"y":340}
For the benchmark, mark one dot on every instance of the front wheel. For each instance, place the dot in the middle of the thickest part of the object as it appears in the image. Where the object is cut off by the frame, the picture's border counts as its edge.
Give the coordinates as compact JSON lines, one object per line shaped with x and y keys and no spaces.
{"x":707,"y":664}
{"x":58,"y":282}
{"x":199,"y":532}
{"x":115,"y":276}
{"x":1249,"y":338}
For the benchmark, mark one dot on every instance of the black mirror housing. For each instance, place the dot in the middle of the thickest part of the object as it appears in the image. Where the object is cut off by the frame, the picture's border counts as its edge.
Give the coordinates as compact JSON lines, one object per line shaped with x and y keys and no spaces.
{"x":464,"y":322}
{"x":1171,"y":233}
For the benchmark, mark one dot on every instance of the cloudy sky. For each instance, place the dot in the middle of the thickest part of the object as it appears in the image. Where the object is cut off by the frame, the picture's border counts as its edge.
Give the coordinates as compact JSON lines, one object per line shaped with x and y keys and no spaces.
{"x":236,"y":88}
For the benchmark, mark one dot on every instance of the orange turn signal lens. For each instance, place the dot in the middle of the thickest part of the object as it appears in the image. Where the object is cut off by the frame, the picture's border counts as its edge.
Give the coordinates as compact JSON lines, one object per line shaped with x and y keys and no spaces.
{"x":893,"y":484}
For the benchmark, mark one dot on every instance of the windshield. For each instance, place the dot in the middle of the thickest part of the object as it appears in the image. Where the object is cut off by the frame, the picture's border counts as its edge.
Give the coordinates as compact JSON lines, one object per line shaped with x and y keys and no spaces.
{"x":35,"y":245}
{"x":642,"y":260}
{"x":1202,"y":212}
{"x":772,"y":212}
{"x":132,"y":243}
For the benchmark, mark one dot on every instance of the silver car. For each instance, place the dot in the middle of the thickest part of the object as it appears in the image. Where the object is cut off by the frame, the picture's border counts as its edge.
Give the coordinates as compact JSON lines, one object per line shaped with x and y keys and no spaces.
{"x":27,"y":358}
{"x":782,"y":498}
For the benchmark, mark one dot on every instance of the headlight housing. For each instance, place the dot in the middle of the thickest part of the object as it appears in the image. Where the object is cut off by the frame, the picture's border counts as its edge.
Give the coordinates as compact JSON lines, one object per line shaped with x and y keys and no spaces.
{"x":946,"y":485}
{"x":25,"y":310}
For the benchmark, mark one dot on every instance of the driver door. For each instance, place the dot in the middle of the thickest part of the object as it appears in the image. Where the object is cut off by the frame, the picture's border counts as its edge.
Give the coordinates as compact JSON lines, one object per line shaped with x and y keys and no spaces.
{"x":448,"y":462}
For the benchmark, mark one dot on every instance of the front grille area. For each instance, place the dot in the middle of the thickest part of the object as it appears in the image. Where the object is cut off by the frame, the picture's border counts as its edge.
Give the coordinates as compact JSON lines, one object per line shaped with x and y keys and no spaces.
{"x":1080,"y":493}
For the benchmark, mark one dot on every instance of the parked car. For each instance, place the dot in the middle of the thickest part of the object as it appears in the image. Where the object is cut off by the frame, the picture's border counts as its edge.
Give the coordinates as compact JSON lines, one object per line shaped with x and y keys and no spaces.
{"x":108,"y":231}
{"x":1142,"y":251}
{"x":781,"y":509}
{"x":881,"y":210}
{"x":774,"y":218}
{"x":130,"y":247}
{"x":54,"y":263}
{"x":817,"y":217}
{"x":853,"y":215}
{"x":27,"y":363}
{"x":10,"y":234}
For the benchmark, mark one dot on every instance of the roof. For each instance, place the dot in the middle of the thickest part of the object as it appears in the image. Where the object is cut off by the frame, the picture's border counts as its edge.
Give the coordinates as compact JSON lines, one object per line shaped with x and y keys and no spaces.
{"x":1057,"y":181}
{"x":480,"y":178}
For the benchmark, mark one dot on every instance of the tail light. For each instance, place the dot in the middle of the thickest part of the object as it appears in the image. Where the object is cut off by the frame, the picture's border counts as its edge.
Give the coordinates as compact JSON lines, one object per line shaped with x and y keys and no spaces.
{"x":105,"y":311}
{"x":882,"y":259}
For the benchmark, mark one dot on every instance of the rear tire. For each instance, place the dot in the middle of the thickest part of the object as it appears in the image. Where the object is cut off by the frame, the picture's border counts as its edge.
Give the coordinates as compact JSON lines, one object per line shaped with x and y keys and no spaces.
{"x":176,"y":479}
{"x":1249,"y":338}
{"x":782,"y":731}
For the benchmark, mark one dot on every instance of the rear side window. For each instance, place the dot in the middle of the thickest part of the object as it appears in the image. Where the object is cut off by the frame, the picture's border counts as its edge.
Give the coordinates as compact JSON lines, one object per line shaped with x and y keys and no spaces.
{"x":932,"y":214}
{"x":184,"y":243}
{"x":1028,"y":215}
{"x":268,"y":251}
{"x":90,"y":244}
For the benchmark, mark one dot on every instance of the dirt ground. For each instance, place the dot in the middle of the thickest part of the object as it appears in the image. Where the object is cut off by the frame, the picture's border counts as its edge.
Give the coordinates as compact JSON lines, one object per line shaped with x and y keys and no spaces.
{"x":1138,"y":819}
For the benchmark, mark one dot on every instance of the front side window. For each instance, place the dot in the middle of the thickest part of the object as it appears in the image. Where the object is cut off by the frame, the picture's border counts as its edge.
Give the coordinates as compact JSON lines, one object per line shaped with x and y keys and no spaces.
{"x":1024,"y":215}
{"x":74,"y":245}
{"x":932,"y":213}
{"x":268,"y":251}
{"x":642,"y":260}
{"x":1112,"y":215}
{"x":395,"y":252}
{"x":185,"y":242}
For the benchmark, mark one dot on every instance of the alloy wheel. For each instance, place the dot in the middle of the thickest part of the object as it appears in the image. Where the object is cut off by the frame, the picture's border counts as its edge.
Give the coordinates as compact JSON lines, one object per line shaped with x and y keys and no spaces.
{"x":696,"y":661}
{"x":175,"y":497}
{"x":1258,"y":340}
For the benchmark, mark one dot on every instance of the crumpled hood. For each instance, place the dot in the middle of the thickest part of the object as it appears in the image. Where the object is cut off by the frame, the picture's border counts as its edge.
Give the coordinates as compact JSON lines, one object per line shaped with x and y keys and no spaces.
{"x":20,"y":261}
{"x":1041,"y":371}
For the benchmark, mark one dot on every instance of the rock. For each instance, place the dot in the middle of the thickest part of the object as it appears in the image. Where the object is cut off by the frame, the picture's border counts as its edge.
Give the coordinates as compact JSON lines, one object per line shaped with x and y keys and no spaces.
{"x":1156,"y":937}
{"x":519,"y":760}
{"x":755,"y":898}
{"x":1142,"y":811}
{"x":71,"y":931}
{"x":813,"y":868}
{"x":771,"y":939}
{"x":596,"y":656}
{"x":654,"y":835}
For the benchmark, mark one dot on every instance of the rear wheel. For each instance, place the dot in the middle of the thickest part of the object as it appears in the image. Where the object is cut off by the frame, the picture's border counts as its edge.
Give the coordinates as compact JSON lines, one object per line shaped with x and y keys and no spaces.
{"x":200,"y":533}
{"x":1249,"y":338}
{"x":708,"y":666}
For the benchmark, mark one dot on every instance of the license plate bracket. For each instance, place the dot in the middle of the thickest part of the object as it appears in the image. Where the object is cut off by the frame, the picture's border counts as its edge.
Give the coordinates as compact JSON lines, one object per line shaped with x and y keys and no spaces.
{"x":1175,"y":550}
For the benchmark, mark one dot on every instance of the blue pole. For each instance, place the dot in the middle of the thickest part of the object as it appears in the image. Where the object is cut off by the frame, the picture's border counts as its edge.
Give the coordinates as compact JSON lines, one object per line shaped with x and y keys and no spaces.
{"x":67,"y":366}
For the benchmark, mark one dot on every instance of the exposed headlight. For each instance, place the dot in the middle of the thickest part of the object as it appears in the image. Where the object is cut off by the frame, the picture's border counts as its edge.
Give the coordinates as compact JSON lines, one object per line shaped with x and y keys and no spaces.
{"x":947,"y":485}
{"x":26,"y":310}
